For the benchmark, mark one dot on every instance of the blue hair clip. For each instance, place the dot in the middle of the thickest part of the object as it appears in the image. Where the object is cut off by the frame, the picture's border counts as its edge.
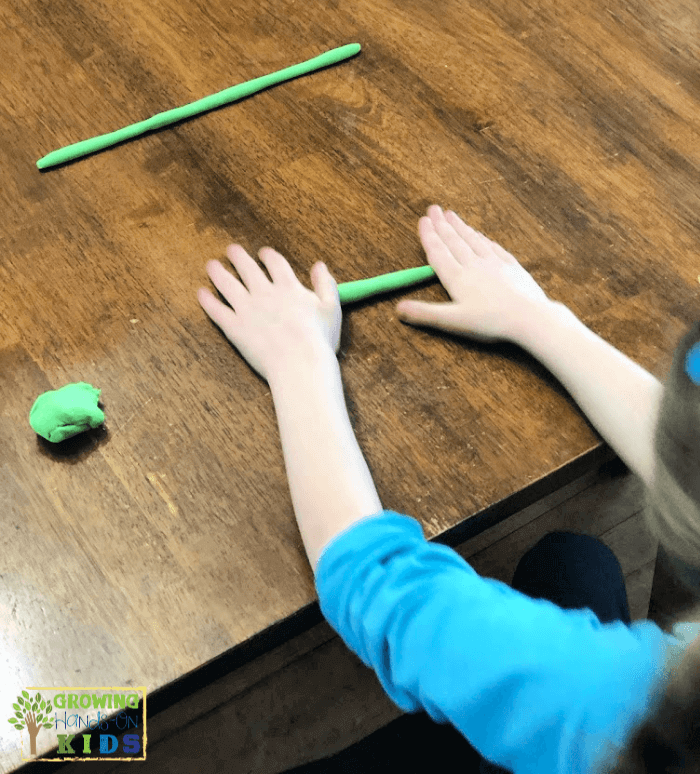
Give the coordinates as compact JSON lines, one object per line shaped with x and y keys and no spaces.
{"x":692,"y":363}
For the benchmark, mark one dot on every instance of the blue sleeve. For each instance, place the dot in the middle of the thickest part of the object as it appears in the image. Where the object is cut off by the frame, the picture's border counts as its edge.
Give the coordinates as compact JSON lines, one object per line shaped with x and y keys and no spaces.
{"x":531,"y":686}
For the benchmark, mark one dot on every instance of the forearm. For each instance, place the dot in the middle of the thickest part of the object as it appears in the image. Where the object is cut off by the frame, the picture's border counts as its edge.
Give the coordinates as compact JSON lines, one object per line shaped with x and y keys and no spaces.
{"x":620,"y":398}
{"x":330,"y":483}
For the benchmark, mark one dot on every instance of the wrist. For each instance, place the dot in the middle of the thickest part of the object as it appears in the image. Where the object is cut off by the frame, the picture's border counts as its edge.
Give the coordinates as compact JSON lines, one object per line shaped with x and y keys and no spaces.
{"x":532,"y":315}
{"x":303,"y":357}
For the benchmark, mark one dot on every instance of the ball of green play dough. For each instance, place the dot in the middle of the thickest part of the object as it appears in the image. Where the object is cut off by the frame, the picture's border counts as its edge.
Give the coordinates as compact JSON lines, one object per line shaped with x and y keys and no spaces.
{"x":60,"y":414}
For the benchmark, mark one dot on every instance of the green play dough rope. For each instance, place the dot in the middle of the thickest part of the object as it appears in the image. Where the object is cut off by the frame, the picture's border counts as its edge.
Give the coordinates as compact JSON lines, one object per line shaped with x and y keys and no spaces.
{"x":356,"y":291}
{"x":348,"y":291}
{"x":79,"y":149}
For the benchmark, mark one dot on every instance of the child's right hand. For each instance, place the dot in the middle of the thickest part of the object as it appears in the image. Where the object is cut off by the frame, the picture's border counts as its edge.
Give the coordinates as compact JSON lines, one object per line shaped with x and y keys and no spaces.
{"x":487,"y":285}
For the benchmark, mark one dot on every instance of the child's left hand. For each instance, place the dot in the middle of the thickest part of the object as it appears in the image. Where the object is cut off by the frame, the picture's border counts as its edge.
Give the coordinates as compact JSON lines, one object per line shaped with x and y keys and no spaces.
{"x":269,"y":319}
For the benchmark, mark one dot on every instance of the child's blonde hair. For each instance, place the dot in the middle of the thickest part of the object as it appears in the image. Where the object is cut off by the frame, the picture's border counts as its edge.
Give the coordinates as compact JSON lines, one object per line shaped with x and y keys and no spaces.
{"x":668,"y":740}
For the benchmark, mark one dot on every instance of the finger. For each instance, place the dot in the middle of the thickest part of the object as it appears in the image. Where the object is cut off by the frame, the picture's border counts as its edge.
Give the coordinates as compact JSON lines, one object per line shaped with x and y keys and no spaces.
{"x":440,"y":257}
{"x":230,"y":288}
{"x":221,"y":314}
{"x":435,"y":213}
{"x":277,"y":266}
{"x":324,"y":284}
{"x":460,"y":233}
{"x":463,"y":250}
{"x":248,"y":269}
{"x":479,"y":242}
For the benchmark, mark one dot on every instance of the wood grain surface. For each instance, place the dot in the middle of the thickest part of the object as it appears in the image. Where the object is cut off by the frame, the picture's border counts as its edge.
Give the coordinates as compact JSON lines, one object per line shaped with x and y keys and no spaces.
{"x":565,"y":131}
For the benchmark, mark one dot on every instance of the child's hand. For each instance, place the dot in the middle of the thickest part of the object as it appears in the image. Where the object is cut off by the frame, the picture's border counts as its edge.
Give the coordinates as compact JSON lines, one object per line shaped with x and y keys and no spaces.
{"x":487,"y":284}
{"x":270,"y":319}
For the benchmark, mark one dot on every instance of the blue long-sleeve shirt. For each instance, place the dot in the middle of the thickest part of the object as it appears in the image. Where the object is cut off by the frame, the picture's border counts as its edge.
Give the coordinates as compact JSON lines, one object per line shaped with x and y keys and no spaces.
{"x":533,"y":687}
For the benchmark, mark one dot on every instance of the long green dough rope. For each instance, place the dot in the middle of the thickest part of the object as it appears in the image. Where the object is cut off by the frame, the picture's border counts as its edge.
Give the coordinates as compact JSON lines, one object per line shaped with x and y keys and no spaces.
{"x":348,"y":291}
{"x":356,"y":291}
{"x":79,"y":149}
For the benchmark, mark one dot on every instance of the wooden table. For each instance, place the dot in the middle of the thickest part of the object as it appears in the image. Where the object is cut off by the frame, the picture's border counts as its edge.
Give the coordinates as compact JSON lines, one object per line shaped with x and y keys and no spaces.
{"x":162,"y":549}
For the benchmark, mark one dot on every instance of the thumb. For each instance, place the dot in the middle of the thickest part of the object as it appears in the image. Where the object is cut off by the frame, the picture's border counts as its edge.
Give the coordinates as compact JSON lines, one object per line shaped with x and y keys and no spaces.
{"x":422,"y":313}
{"x":324,"y":283}
{"x":445,"y":317}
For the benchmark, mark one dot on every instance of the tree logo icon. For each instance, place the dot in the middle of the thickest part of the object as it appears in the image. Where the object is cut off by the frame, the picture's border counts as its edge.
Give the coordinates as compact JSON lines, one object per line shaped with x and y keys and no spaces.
{"x":31,"y":714}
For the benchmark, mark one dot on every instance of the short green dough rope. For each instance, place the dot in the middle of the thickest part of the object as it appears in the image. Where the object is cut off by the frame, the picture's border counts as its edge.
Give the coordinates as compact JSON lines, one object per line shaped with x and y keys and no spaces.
{"x":60,"y":414}
{"x":356,"y":291}
{"x":79,"y":149}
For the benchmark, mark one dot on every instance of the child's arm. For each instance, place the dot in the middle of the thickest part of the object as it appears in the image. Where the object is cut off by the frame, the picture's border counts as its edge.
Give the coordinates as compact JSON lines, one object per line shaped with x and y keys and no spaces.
{"x":620,"y":398}
{"x":329,"y":479}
